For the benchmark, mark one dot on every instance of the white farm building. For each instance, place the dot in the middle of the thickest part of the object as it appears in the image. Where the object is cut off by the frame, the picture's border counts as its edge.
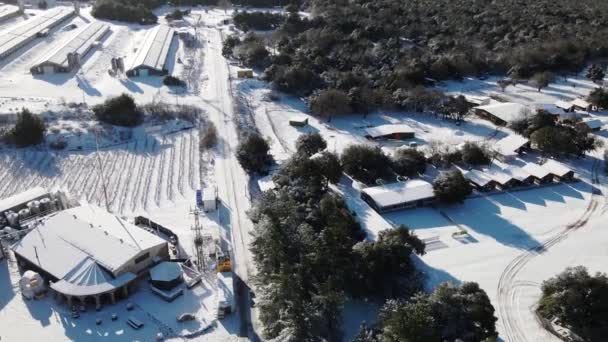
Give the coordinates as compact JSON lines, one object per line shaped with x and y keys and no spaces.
{"x":89,"y":254}
{"x":400,"y":195}
{"x":18,"y":37}
{"x":67,"y":57}
{"x":8,"y":11}
{"x":151,"y":57}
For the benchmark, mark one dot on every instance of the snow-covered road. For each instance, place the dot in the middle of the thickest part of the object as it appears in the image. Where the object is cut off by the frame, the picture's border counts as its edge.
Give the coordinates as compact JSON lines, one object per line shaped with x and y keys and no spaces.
{"x":231,"y":178}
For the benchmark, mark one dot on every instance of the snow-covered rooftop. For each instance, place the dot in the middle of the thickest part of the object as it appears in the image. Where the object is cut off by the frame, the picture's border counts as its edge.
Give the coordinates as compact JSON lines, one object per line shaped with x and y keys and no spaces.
{"x":549,"y":108}
{"x":556,"y":168}
{"x":20,"y":198}
{"x":477,"y":177}
{"x":499,"y":176}
{"x":400,"y":192}
{"x":508,"y":145}
{"x":8,"y":11}
{"x":506,"y":111}
{"x":517,"y":173}
{"x":80,"y":44}
{"x":266,"y":183}
{"x":62,"y":241}
{"x":384,"y":130}
{"x":563,"y":105}
{"x":22,"y":33}
{"x":536,"y":170}
{"x":154,"y":50}
{"x":88,"y":278}
{"x":165,"y":271}
{"x":580,"y":103}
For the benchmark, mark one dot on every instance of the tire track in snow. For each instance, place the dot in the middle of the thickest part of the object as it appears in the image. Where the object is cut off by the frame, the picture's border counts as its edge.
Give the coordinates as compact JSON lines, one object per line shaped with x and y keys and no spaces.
{"x":161,"y":171}
{"x":171,"y":169}
{"x":507,"y":299}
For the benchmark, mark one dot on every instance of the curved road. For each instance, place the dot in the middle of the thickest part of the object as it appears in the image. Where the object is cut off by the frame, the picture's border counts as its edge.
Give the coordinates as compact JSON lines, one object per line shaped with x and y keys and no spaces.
{"x":508,"y":285}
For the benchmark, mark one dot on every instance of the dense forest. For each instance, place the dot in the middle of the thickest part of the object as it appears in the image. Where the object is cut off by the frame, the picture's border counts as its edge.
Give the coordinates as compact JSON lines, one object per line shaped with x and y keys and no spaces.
{"x":377,"y":52}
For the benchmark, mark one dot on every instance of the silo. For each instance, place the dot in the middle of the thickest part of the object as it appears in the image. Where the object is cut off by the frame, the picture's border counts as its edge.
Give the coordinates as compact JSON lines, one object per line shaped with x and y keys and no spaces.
{"x":13,"y":219}
{"x":120,"y":64}
{"x":34,"y":207}
{"x":114,"y":63}
{"x":23,"y":214}
{"x":45,"y":204}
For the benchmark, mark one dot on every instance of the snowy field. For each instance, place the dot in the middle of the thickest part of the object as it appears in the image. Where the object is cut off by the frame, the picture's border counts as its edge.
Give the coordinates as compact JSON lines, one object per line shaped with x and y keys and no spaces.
{"x":139,"y":176}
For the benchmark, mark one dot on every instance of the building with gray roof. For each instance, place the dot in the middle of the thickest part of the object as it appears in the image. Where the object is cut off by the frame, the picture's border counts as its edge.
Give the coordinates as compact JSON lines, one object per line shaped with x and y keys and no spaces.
{"x":67,"y":56}
{"x":151,"y":57}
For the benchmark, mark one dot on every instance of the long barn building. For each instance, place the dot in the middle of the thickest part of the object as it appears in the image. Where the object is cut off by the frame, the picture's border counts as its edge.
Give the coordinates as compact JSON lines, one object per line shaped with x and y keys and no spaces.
{"x":18,"y":37}
{"x":67,"y":57}
{"x":151,"y":58}
{"x":8,"y":11}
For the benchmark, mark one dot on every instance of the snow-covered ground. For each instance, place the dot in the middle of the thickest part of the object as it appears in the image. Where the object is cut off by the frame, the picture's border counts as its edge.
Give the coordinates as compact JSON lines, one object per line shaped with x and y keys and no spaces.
{"x":153,"y":170}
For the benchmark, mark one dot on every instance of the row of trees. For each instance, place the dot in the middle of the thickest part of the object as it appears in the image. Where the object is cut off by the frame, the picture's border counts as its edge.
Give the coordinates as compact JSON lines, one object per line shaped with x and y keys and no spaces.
{"x":310,"y":253}
{"x":132,"y":12}
{"x":246,"y":21}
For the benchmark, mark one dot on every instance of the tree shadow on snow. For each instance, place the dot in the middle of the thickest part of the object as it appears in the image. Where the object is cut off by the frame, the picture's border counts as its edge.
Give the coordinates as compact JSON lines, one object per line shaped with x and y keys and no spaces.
{"x":434,"y":276}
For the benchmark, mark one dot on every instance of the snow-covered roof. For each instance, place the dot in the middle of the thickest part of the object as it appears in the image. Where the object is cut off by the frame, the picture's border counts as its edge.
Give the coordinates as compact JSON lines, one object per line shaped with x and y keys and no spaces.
{"x":581,"y":103}
{"x":165,"y":271}
{"x":564,"y":104}
{"x":477,"y":177}
{"x":10,"y":40}
{"x":509,"y":144}
{"x":7,"y":10}
{"x":536,"y":170}
{"x":384,"y":130}
{"x":266,"y":183}
{"x":80,"y":43}
{"x":62,"y":241}
{"x":549,"y":108}
{"x":400,"y":192}
{"x":594,"y":123}
{"x":556,"y":168}
{"x":22,"y":198}
{"x":517,"y":173}
{"x":153,"y":52}
{"x":499,"y":176}
{"x":506,"y":111}
{"x":88,"y":278}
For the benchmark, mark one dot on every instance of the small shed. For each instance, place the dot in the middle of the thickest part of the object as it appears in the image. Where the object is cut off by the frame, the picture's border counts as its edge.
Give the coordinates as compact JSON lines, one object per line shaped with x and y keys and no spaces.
{"x":298,"y":121}
{"x":246,"y":73}
{"x":396,"y":131}
{"x":209,"y":199}
{"x":31,"y":284}
{"x":564,"y":105}
{"x":582,"y":105}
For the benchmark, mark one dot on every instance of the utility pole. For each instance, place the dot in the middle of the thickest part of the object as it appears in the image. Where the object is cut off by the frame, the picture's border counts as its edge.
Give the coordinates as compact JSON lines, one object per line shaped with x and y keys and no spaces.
{"x":100,"y":166}
{"x":198,"y":240}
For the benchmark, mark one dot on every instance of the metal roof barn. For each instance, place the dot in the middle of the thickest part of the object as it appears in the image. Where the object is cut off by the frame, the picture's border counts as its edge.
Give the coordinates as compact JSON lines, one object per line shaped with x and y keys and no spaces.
{"x":396,"y":131}
{"x":16,"y":38}
{"x":153,"y":53}
{"x":8,"y":11}
{"x":77,"y":47}
{"x":398,"y":195}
